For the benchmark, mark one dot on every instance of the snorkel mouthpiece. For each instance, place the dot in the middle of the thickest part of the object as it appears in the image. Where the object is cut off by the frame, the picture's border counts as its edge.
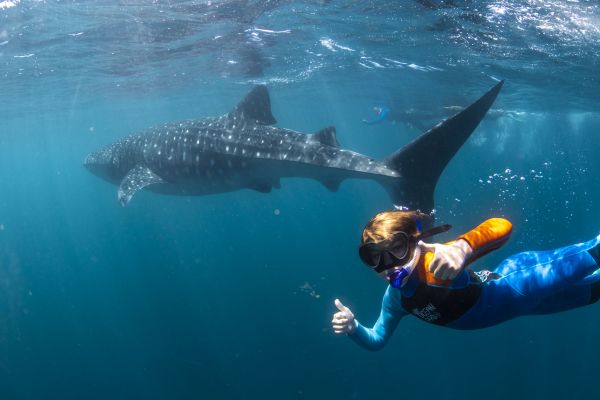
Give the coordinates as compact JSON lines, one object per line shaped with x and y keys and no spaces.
{"x":397,"y":277}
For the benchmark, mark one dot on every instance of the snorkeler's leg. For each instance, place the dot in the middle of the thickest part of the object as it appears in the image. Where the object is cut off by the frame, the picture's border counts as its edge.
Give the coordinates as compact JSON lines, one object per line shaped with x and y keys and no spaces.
{"x":536,"y":283}
{"x":582,"y":293}
{"x":537,"y":275}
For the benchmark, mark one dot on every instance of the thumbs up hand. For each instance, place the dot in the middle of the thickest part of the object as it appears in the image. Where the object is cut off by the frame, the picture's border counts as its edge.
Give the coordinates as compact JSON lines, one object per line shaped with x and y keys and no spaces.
{"x":343,"y":321}
{"x":448,"y":259}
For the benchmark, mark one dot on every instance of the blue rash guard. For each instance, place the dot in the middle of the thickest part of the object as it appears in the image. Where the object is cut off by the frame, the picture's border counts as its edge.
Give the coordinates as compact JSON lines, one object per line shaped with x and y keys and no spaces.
{"x":528,"y":283}
{"x":382,"y":113}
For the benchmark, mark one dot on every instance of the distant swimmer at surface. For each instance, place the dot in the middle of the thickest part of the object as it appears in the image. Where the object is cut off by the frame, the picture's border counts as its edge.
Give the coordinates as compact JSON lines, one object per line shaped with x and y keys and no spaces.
{"x":381,"y":115}
{"x":434,"y":282}
{"x":421,"y":119}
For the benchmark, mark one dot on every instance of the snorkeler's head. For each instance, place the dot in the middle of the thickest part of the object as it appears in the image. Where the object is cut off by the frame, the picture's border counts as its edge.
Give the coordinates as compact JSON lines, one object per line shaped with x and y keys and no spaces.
{"x":390,"y":239}
{"x":383,"y":226}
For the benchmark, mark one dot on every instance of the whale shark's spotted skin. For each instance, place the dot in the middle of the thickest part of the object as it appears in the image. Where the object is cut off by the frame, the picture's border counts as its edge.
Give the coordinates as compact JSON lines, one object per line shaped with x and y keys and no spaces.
{"x":181,"y":148}
{"x":241,"y":150}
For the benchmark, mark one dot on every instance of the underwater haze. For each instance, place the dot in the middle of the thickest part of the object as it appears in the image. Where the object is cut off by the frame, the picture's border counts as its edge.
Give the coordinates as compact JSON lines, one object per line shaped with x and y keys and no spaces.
{"x":230,"y":296}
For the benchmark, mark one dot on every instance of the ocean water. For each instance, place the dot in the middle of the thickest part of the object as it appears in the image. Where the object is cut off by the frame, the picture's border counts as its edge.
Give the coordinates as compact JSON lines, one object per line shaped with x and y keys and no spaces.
{"x":230,"y":296}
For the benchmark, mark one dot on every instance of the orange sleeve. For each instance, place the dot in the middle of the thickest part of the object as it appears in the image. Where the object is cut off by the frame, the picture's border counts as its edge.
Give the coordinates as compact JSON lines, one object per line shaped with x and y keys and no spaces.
{"x":488,"y":236}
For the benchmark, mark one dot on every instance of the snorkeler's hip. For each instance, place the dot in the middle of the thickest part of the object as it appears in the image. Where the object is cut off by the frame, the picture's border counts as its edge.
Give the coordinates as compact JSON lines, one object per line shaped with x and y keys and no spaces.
{"x":499,"y":302}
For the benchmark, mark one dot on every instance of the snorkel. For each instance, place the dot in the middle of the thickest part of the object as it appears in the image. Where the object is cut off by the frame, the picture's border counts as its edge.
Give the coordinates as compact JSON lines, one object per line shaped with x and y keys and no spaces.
{"x":398,"y":275}
{"x":396,"y":278}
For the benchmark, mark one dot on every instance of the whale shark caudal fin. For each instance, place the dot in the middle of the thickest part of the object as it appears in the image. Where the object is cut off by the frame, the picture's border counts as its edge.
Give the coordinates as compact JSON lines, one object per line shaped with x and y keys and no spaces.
{"x":422,"y":161}
{"x":136,"y":179}
{"x":256,"y":106}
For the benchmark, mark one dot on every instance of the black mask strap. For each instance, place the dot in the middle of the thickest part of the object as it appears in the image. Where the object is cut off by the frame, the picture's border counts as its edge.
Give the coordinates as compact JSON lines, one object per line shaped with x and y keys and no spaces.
{"x":435,"y":231}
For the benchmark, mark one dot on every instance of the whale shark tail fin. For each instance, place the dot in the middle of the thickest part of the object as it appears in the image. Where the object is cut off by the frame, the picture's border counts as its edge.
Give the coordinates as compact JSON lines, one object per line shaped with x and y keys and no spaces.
{"x":421,"y":162}
{"x":256,"y":107}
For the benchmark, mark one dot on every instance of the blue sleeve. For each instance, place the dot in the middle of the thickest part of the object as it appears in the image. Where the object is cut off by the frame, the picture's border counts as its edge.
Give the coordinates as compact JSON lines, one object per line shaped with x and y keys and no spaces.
{"x":381,"y":116}
{"x":391,"y":312}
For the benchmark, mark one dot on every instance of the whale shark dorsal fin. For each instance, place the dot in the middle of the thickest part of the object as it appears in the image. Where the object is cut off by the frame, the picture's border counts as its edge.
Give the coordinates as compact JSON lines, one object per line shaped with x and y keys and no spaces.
{"x":256,"y":107}
{"x":136,"y":179}
{"x":326,"y":136}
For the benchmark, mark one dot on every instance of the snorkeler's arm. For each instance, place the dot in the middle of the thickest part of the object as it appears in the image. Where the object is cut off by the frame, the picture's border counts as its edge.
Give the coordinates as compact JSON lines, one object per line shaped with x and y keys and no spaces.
{"x":391,"y":312}
{"x":381,"y":116}
{"x":488,"y":236}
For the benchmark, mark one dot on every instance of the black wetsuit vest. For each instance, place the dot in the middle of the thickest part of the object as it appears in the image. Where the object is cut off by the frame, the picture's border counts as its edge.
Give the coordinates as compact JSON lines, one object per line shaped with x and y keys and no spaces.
{"x":441,"y":305}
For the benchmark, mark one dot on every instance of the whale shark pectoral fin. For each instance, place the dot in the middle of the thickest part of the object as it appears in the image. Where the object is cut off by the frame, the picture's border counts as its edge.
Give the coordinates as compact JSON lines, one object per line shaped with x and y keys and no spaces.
{"x":332,"y":185}
{"x":136,"y":179}
{"x":261,"y":187}
{"x":326,"y":136}
{"x":256,"y":106}
{"x":265,"y":186}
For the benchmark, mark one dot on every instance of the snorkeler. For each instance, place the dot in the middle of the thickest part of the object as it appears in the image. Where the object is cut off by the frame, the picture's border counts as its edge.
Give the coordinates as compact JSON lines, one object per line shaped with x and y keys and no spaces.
{"x":381,"y":115}
{"x":434,"y":283}
{"x":421,"y":119}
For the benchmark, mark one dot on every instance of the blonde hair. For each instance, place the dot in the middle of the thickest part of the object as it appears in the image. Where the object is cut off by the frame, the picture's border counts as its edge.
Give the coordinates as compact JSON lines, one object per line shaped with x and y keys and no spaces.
{"x":385,"y":224}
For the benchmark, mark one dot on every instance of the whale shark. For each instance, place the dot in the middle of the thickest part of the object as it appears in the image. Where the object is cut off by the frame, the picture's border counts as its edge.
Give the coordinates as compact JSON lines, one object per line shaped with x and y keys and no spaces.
{"x":242,"y":149}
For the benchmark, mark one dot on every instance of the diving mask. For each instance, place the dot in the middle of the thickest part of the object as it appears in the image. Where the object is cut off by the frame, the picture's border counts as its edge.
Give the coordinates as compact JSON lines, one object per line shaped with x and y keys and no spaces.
{"x":395,"y":251}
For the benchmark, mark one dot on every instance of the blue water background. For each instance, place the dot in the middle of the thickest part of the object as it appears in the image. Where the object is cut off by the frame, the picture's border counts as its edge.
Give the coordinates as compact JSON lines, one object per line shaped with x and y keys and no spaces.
{"x":230,"y":296}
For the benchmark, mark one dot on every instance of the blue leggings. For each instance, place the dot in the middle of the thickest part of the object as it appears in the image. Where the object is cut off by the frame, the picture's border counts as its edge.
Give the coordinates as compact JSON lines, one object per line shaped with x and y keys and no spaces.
{"x":537,"y":282}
